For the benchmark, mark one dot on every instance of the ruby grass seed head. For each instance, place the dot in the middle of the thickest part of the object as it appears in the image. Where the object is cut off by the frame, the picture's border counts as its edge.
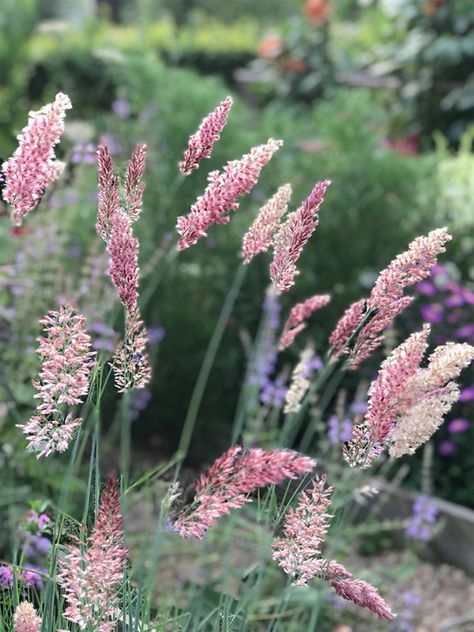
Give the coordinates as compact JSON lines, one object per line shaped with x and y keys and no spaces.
{"x":407,"y":403}
{"x":259,"y":237}
{"x":387,"y":299}
{"x":229,"y":481}
{"x":299,"y":313}
{"x":201,"y":143}
{"x":91,"y":574}
{"x":66,"y":362}
{"x":221,"y":194}
{"x":33,"y":165}
{"x":293,"y":235}
{"x":115,"y":218}
{"x":298,"y":551}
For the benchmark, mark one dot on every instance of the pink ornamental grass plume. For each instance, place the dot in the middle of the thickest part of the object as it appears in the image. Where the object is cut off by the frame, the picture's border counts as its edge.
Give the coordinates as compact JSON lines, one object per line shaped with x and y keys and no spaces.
{"x":123,"y":270}
{"x":134,"y":186}
{"x":90,"y":574}
{"x":298,"y":315}
{"x":300,"y":381}
{"x":221,"y":194}
{"x":298,"y":551}
{"x":259,"y":237}
{"x":231,"y":478}
{"x":26,"y":619}
{"x":407,"y":403}
{"x":387,"y":300}
{"x":130,"y":363}
{"x":33,"y":165}
{"x":360,"y":592}
{"x":292,"y":237}
{"x":109,"y":189}
{"x":431,"y":392}
{"x":108,"y":192}
{"x":66,"y":361}
{"x":114,"y":225}
{"x":200,"y":144}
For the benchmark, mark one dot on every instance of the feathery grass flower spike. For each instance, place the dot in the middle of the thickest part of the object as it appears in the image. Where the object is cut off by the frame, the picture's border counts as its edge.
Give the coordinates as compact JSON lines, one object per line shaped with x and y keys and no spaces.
{"x":407,"y":403}
{"x":26,"y":619}
{"x":33,"y":165}
{"x":221,"y":194}
{"x":259,"y":237}
{"x":114,"y":225}
{"x":387,"y":299}
{"x":200,"y":144}
{"x":293,"y":235}
{"x":299,"y":382}
{"x":66,"y":361}
{"x":226,"y":485}
{"x":299,"y":313}
{"x":298,"y":551}
{"x":90,"y":574}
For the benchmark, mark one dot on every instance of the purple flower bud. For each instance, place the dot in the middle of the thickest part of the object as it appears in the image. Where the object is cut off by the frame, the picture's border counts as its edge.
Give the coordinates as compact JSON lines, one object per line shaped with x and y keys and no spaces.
{"x":447,"y":448}
{"x":467,"y":331}
{"x":41,"y":544}
{"x":425,"y":513}
{"x":427,"y":288}
{"x":156,"y":335}
{"x":432,"y":313}
{"x":339,"y":431}
{"x":467,"y":394}
{"x":6,"y":577}
{"x":31,"y":576}
{"x":454,"y":300}
{"x":458,"y":426}
{"x":358,"y":408}
{"x":121,"y":108}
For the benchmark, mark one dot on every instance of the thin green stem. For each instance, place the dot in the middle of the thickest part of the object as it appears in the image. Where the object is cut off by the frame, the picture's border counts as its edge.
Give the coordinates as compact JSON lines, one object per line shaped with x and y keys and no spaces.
{"x":208,"y":362}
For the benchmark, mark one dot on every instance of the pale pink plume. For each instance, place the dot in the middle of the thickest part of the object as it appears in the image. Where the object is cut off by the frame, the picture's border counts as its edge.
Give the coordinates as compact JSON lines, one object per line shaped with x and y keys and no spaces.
{"x":90,"y":574}
{"x":231,"y":478}
{"x":221,"y":194}
{"x":300,"y":381}
{"x":298,"y":550}
{"x":66,"y":362}
{"x":385,"y":399}
{"x":407,"y":403}
{"x":200,"y":144}
{"x":299,"y":313}
{"x":432,"y":392}
{"x":26,"y":619}
{"x":292,"y":237}
{"x":33,"y":165}
{"x":387,"y":299}
{"x":259,"y":237}
{"x":130,"y":363}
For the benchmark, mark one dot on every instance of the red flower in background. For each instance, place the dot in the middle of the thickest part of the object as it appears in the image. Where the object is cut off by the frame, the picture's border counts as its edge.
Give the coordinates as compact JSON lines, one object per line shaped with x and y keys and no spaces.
{"x":270,"y":47}
{"x":291,"y":64}
{"x":432,"y":7}
{"x":317,"y":11}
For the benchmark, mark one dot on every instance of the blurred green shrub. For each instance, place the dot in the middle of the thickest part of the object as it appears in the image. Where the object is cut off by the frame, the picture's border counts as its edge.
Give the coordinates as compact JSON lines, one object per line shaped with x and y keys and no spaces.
{"x":429,"y":44}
